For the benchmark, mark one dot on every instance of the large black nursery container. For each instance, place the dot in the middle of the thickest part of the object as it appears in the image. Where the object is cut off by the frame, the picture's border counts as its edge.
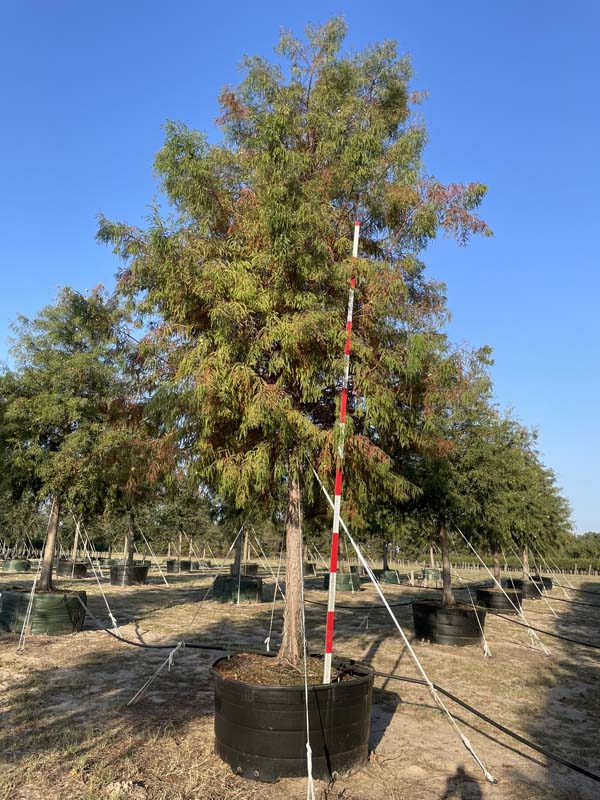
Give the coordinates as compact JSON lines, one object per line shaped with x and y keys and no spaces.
{"x":528,"y":589}
{"x":541,"y":580}
{"x":174,"y":567}
{"x":246,"y":569}
{"x":260,"y":731}
{"x":497,"y":600}
{"x":389,"y":576}
{"x":71,"y":569}
{"x":237,"y":588}
{"x":129,"y":574}
{"x":51,"y":612}
{"x":440,"y":624}
{"x":16,"y":565}
{"x":345,"y":582}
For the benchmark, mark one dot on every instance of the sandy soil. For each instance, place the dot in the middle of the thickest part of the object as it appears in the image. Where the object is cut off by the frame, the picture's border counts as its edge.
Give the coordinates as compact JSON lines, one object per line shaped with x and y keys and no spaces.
{"x":67,"y":733}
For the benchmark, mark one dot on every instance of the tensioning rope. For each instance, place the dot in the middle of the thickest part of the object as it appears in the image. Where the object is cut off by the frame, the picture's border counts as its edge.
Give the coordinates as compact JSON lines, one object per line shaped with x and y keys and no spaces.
{"x":310,"y":786}
{"x":28,"y":612}
{"x":168,"y":662}
{"x":268,"y":639}
{"x":151,"y":553}
{"x":484,"y":642}
{"x":108,"y":608}
{"x":438,"y":700}
{"x":528,"y":575}
{"x":555,"y":578}
{"x":452,"y":697}
{"x":335,"y":528}
{"x":516,"y":606}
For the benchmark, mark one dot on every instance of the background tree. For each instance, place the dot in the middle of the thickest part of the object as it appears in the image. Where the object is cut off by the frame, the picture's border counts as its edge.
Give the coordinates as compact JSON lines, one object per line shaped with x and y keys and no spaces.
{"x":57,"y":403}
{"x":250,"y":278}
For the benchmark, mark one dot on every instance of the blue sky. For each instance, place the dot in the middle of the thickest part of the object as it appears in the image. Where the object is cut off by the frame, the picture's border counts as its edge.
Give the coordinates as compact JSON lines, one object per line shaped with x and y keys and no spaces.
{"x":513,"y":102}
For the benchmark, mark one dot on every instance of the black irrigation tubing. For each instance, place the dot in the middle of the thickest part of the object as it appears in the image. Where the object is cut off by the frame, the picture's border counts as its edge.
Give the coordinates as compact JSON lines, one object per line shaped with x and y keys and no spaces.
{"x":189,"y":645}
{"x":574,"y":602}
{"x":540,"y":630}
{"x":582,"y":591}
{"x":490,"y":721}
{"x":359,"y":608}
{"x":449,"y":695}
{"x":497,"y":614}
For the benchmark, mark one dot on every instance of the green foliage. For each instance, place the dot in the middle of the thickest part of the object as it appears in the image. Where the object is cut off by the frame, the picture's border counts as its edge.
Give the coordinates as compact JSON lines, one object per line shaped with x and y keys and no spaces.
{"x":249,"y":275}
{"x":57,"y":401}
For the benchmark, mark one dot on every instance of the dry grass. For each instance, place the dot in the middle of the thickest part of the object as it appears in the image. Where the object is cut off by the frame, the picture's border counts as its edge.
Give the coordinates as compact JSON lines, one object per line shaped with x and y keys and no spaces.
{"x":66,"y":732}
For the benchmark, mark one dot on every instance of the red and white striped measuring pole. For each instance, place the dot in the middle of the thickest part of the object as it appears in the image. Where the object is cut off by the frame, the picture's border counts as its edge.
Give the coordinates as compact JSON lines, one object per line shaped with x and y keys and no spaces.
{"x":335,"y":531}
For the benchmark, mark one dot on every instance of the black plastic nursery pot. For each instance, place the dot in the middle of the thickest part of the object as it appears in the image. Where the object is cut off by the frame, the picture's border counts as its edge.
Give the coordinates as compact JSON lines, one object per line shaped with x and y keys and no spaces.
{"x":529,"y":589}
{"x":388,"y":576}
{"x":247,"y":569}
{"x":345,"y":582}
{"x":16,"y":565}
{"x":455,"y":625}
{"x":51,"y":612}
{"x":129,"y":574}
{"x":542,"y":581}
{"x":234,"y":589}
{"x":260,"y":731}
{"x":496,"y":599}
{"x":174,"y":567}
{"x":71,"y":569}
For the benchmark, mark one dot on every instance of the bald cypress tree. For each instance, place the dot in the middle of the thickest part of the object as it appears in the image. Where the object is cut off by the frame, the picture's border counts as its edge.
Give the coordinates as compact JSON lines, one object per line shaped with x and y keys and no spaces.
{"x":249,"y":277}
{"x":57,"y":404}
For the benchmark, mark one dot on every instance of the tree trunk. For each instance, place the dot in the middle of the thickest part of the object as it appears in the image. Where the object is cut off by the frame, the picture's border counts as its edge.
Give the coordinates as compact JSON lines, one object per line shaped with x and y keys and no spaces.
{"x":190,"y":548}
{"x":526,"y":563}
{"x":291,"y":650}
{"x":447,"y":595}
{"x":75,"y":542}
{"x":385,"y":555}
{"x":180,"y":550}
{"x":239,"y":552}
{"x":431,"y":557}
{"x":496,"y":555}
{"x":45,"y":581}
{"x":129,"y":540}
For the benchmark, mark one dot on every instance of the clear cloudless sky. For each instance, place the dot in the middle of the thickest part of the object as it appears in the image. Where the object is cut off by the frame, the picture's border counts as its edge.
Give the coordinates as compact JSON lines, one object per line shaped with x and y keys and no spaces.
{"x":513,"y":102}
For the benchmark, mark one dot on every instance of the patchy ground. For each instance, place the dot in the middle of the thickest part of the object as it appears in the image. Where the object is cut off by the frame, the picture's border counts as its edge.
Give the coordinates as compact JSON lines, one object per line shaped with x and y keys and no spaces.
{"x":67,"y":733}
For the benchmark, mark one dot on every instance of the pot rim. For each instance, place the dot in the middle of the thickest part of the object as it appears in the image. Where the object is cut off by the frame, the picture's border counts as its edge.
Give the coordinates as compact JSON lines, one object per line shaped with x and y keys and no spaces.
{"x":42,"y":593}
{"x":369,"y":670}
{"x":459,"y":606}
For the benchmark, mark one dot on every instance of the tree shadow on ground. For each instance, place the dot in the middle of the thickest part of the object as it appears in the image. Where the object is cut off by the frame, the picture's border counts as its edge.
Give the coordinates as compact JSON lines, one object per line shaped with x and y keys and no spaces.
{"x":72,"y":705}
{"x":568,"y":723}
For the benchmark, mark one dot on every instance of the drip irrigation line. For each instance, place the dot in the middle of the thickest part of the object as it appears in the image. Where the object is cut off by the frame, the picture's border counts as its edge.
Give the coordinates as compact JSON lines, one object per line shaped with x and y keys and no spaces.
{"x":575,"y":602}
{"x":388,"y":675}
{"x":540,"y":630}
{"x":586,"y":591}
{"x":498,"y":725}
{"x":171,"y":646}
{"x":359,"y":608}
{"x":480,"y":608}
